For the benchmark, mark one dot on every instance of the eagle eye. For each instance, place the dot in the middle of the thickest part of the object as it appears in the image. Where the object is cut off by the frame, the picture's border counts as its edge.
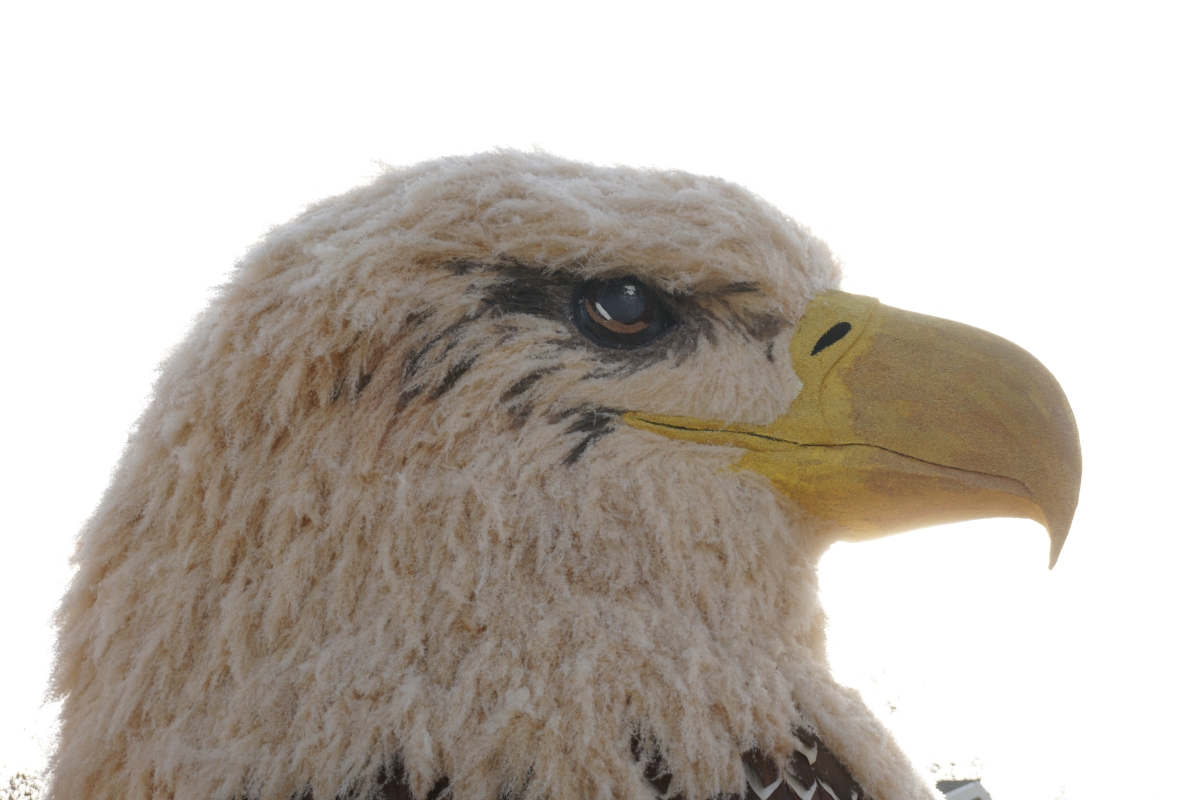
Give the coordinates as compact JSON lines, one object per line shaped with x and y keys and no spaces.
{"x":619,"y":313}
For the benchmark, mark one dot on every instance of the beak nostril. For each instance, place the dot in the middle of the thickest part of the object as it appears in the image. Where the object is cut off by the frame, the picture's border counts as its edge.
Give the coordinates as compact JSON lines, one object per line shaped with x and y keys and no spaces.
{"x":831,"y":336}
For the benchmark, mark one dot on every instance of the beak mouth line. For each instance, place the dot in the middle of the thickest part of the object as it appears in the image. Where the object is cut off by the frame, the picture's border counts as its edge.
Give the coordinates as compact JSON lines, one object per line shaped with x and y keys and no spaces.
{"x":761,"y":443}
{"x":716,"y":435}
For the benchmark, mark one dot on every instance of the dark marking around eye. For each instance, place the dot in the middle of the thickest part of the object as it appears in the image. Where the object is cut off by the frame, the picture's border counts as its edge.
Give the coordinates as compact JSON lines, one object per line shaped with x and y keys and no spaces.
{"x":522,"y":289}
{"x":508,"y":287}
{"x":539,"y":298}
{"x":831,"y":336}
{"x":771,"y":351}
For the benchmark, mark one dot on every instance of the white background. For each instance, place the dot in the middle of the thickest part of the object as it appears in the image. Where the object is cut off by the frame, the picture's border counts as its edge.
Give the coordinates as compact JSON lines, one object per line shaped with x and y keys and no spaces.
{"x":1028,"y":168}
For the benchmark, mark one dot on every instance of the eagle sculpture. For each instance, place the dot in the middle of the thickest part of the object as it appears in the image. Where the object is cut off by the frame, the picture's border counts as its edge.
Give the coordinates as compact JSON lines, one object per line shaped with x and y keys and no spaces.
{"x":507,"y":477}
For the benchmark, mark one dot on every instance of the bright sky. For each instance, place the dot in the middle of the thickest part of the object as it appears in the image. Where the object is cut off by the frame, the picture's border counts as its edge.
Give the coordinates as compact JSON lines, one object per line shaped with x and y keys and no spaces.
{"x":1028,"y":168}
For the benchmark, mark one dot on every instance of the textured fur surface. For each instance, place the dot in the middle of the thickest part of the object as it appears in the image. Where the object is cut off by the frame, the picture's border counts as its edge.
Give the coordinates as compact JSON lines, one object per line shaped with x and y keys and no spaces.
{"x":382,"y":509}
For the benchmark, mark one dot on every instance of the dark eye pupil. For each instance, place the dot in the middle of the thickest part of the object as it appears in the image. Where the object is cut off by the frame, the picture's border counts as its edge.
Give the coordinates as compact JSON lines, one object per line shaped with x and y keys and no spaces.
{"x":623,"y":312}
{"x":621,"y":302}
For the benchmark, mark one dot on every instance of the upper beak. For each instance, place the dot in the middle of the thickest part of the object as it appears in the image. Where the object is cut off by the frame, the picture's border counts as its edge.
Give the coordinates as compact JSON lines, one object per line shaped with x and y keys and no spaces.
{"x":905,"y":421}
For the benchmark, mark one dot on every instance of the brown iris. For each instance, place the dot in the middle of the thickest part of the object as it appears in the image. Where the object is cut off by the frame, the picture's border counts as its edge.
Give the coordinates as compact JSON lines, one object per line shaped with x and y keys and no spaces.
{"x":620,"y":313}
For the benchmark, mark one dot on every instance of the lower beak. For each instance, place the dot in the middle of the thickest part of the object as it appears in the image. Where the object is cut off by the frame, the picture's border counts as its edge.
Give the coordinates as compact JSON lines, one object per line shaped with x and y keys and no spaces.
{"x":905,"y":421}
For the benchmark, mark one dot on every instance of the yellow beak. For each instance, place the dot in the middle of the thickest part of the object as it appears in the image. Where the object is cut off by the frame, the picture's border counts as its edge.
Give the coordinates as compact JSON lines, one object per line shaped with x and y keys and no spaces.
{"x":906,"y":421}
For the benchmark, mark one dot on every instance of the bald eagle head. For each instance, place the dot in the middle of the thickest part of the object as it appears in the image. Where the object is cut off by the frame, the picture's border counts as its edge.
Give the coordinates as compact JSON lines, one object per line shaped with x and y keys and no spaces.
{"x":506,"y":476}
